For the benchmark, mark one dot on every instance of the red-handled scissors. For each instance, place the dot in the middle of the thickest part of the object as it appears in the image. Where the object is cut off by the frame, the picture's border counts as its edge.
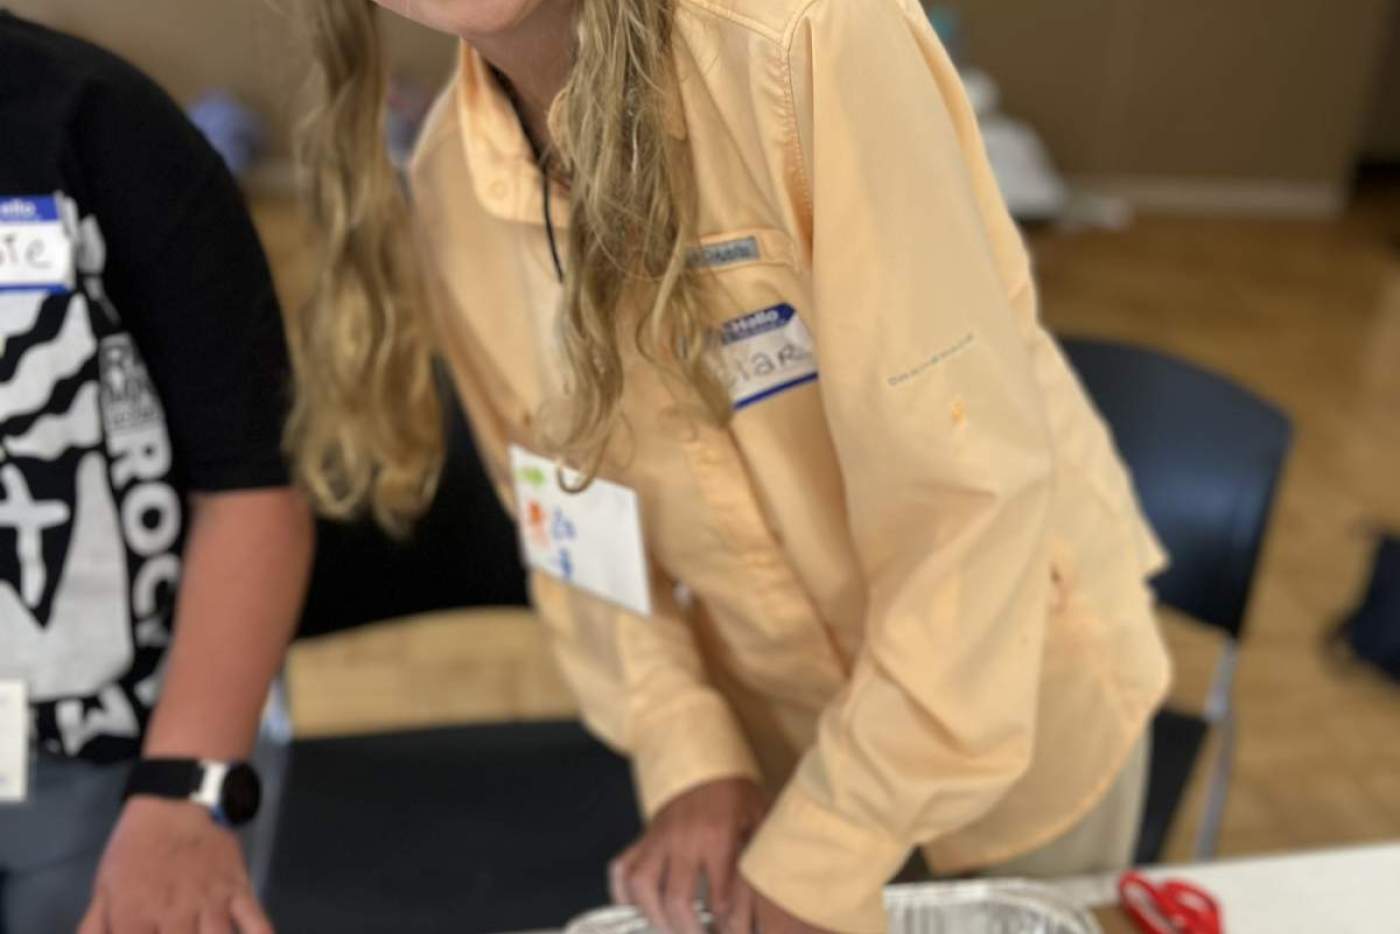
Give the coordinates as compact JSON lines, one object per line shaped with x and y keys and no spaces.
{"x":1173,"y":907}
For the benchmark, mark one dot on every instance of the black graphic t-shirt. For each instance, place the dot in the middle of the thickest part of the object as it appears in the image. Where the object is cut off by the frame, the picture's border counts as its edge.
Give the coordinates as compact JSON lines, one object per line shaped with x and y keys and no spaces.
{"x":141,"y":360}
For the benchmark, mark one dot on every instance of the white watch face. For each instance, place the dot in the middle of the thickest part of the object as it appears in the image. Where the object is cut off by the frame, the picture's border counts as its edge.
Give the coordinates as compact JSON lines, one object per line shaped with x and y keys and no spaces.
{"x":211,"y":785}
{"x":228,"y":790}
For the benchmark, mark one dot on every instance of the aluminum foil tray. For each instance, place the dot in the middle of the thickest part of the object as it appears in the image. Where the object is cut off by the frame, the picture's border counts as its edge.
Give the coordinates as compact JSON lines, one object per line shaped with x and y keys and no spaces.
{"x":990,"y":907}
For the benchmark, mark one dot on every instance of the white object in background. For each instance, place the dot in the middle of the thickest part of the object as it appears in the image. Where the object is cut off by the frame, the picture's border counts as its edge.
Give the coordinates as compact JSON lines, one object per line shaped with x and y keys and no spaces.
{"x":591,"y":540}
{"x":1087,"y":210}
{"x":1032,"y":188}
{"x":14,"y":741}
{"x":982,"y":91}
{"x":1342,"y":891}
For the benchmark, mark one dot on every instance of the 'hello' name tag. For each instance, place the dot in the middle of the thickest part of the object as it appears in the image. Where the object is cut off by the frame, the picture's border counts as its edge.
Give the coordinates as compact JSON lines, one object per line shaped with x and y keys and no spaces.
{"x":591,"y":540}
{"x":14,"y":741}
{"x":766,"y":353}
{"x":36,"y":253}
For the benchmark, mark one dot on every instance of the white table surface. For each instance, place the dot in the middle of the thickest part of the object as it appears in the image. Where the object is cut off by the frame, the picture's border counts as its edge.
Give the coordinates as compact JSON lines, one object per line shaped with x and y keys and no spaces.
{"x":1343,"y":891}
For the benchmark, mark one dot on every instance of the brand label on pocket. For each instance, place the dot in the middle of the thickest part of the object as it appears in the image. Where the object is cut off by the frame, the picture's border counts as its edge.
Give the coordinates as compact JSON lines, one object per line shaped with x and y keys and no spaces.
{"x":728,"y":253}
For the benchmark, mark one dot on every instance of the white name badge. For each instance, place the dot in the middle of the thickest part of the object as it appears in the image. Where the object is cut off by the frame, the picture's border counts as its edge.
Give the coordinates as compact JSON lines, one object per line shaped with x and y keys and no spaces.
{"x":14,"y":742}
{"x":36,"y":253}
{"x":766,"y":353}
{"x":590,"y":540}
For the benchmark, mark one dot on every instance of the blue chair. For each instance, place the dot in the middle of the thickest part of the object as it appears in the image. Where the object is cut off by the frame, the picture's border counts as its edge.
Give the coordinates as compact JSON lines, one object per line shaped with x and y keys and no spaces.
{"x":1206,"y":457}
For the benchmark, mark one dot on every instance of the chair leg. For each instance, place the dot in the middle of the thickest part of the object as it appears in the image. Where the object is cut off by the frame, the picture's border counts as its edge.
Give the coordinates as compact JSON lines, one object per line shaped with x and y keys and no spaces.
{"x":1208,"y":834}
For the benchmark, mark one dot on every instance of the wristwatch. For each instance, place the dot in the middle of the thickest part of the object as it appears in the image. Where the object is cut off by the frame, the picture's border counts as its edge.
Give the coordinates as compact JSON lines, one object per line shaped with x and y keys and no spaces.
{"x":230,"y":791}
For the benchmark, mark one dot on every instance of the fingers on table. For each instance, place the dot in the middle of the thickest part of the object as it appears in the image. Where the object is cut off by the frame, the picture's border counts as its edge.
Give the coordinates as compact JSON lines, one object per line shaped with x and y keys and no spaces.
{"x":95,"y":921}
{"x":215,"y":921}
{"x":248,"y":915}
{"x":680,"y":889}
{"x":740,"y":918}
{"x":664,"y":883}
{"x":644,"y":879}
{"x":618,"y":872}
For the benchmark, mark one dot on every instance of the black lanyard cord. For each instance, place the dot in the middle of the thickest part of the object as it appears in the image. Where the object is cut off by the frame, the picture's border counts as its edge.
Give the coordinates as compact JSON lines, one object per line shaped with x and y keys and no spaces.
{"x":549,"y":220}
{"x":542,"y":161}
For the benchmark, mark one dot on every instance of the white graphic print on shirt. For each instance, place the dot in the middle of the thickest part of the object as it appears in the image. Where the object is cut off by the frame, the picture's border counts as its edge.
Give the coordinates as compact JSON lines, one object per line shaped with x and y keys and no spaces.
{"x":91,"y":526}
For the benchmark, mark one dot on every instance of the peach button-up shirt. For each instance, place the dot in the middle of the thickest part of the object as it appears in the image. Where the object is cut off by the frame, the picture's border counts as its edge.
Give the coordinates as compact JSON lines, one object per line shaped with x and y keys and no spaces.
{"x":906,"y":590}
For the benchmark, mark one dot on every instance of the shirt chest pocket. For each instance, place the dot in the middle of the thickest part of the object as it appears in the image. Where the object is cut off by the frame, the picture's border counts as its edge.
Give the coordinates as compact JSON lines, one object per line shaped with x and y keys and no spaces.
{"x":755,"y":295}
{"x":765,"y":355}
{"x":748,"y":470}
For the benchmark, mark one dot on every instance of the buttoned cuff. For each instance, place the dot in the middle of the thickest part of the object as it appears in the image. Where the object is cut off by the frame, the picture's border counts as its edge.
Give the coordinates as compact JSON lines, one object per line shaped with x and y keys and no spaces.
{"x":699,"y":743}
{"x":821,"y":867}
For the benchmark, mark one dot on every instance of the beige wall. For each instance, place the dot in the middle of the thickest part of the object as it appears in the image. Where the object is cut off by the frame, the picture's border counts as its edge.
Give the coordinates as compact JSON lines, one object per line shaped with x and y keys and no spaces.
{"x":1261,"y":90}
{"x":1383,"y":133}
{"x":249,"y":46}
{"x":1252,"y":89}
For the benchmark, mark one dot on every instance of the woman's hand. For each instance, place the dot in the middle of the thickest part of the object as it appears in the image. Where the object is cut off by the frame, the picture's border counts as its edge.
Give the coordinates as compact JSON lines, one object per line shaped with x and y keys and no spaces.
{"x":752,"y":913}
{"x":169,"y":867}
{"x":700,"y":832}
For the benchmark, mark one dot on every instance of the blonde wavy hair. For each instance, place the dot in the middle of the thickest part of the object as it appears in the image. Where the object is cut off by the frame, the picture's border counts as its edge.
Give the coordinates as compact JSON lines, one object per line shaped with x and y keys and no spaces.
{"x":366,"y":424}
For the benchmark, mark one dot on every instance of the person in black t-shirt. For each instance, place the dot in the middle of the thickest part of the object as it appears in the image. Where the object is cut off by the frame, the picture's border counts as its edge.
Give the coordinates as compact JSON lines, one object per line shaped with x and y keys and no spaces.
{"x":151,"y":549}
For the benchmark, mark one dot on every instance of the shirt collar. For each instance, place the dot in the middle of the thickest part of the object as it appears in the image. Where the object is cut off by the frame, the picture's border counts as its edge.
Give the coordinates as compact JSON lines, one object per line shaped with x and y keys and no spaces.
{"x":506,"y":178}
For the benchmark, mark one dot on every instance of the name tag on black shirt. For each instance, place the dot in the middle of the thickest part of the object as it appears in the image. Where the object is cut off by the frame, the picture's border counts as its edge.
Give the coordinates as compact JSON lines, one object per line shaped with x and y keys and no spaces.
{"x":35,"y":252}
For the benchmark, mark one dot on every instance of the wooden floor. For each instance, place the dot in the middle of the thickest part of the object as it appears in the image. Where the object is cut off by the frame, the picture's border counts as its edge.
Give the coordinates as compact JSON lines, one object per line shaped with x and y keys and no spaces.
{"x":1306,"y":314}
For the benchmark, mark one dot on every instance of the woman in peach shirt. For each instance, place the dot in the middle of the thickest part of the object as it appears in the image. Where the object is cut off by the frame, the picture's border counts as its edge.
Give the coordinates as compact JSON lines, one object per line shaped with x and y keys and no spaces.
{"x":746,"y":259}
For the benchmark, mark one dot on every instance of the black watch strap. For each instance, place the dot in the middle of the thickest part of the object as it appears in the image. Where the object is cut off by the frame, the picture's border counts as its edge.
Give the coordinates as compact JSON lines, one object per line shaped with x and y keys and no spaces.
{"x":230,"y":791}
{"x":164,"y":778}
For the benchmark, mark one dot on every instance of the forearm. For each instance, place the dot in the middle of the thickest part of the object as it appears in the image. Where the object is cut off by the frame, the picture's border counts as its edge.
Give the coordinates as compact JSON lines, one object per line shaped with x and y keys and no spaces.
{"x":247,"y":559}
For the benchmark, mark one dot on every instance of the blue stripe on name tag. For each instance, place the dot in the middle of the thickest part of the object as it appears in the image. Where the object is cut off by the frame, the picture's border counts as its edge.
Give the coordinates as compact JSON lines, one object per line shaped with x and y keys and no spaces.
{"x":767,"y":393}
{"x":51,"y":288}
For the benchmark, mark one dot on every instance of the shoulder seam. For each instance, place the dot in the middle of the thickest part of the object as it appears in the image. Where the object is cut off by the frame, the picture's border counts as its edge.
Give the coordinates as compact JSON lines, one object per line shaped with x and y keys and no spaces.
{"x":791,"y":28}
{"x":781,"y":37}
{"x":723,"y":12}
{"x":797,"y":154}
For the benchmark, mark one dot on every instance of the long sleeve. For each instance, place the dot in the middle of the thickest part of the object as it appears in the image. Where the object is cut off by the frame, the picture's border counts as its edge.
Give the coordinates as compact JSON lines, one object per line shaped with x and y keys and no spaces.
{"x":942,"y":440}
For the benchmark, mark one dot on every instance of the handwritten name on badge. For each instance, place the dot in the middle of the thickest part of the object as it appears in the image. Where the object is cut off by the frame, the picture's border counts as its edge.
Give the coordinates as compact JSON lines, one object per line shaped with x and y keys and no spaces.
{"x":766,"y":353}
{"x":36,"y":253}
